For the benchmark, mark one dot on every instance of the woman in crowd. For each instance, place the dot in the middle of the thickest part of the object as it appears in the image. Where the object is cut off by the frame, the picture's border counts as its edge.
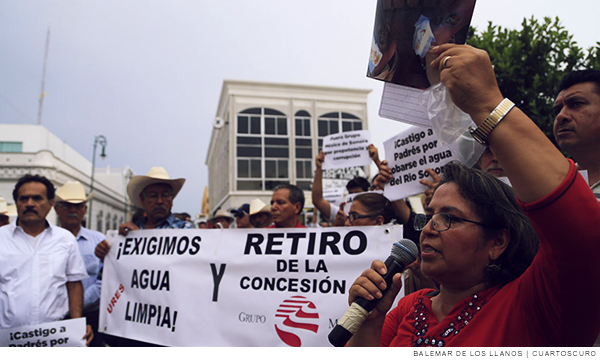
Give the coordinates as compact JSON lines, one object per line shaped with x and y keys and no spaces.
{"x":369,"y":209}
{"x":495,"y":289}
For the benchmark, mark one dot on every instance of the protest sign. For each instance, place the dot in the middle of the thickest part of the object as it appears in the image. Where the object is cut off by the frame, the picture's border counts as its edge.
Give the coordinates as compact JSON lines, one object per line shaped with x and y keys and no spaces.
{"x":235,"y":287}
{"x":346,"y":149}
{"x":408,"y":154}
{"x":333,"y":178}
{"x":66,"y":333}
{"x":334,"y":195}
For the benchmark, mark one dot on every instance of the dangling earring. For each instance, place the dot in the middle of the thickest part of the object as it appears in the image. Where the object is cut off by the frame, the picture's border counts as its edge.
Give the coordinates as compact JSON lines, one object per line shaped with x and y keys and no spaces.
{"x":493,"y":268}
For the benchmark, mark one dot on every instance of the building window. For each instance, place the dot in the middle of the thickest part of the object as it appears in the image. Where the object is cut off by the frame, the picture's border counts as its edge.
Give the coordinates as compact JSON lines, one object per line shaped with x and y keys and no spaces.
{"x":249,"y":121}
{"x":107,"y":223}
{"x":262,"y":149}
{"x":331,"y":123}
{"x":303,"y":147}
{"x":11,"y":147}
{"x":99,"y":221}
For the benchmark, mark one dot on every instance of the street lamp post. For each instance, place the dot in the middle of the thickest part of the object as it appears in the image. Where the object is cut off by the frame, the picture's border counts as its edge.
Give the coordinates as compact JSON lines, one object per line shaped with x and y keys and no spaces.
{"x":100,"y":139}
{"x":128,"y":176}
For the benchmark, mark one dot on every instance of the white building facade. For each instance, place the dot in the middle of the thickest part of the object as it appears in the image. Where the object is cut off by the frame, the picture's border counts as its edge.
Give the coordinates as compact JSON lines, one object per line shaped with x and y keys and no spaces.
{"x":265,"y":134}
{"x":33,"y":149}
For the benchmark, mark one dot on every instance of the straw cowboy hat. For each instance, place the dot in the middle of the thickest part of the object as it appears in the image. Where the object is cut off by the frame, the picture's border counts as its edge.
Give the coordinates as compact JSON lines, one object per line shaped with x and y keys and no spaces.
{"x":5,"y":209}
{"x":156,"y":175}
{"x":257,"y":206}
{"x":12,"y":210}
{"x":221,"y":214}
{"x":3,"y":206}
{"x":73,"y":192}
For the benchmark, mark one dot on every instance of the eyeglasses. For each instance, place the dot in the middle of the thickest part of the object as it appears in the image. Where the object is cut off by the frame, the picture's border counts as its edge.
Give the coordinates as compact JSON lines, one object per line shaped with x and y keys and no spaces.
{"x":441,"y":221}
{"x":353,"y":216}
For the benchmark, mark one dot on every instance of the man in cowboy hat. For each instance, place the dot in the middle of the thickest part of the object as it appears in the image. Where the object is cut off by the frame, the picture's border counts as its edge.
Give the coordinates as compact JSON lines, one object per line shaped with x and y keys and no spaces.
{"x":242,"y":217}
{"x":221,"y":219}
{"x":71,"y":206}
{"x":38,"y":292}
{"x":260,"y":214}
{"x":154,"y":193}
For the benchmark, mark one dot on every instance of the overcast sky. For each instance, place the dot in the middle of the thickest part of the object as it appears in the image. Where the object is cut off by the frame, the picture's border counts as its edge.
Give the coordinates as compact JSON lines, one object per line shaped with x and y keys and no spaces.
{"x":147,"y":74}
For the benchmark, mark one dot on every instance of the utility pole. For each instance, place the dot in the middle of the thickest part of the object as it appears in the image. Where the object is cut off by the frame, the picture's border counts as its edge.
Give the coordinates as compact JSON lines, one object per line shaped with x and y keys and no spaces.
{"x":43,"y":93}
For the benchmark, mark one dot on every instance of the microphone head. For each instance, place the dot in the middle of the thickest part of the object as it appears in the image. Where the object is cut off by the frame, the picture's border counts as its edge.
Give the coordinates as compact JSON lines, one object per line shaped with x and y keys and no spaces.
{"x":405,"y":251}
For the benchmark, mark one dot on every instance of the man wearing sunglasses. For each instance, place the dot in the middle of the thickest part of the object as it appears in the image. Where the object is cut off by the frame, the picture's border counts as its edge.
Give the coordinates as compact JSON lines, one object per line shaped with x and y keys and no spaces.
{"x":71,"y":207}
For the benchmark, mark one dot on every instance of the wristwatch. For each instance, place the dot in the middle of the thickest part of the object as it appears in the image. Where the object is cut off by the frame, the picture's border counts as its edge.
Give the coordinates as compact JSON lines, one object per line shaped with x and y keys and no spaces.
{"x":482,"y":132}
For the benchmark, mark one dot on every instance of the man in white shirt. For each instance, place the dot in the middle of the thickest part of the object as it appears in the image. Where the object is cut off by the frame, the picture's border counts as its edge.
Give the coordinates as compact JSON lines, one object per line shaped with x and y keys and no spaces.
{"x":40,"y":265}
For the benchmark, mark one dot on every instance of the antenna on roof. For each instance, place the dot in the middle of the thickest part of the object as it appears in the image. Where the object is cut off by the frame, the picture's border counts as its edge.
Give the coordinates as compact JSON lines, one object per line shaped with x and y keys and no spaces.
{"x":43,"y":93}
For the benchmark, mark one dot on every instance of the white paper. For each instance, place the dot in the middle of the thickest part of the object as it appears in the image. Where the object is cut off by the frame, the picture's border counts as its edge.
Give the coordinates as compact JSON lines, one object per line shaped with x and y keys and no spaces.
{"x":66,"y":333}
{"x":408,"y":155}
{"x":346,"y":149}
{"x":334,"y":195}
{"x":404,"y":104}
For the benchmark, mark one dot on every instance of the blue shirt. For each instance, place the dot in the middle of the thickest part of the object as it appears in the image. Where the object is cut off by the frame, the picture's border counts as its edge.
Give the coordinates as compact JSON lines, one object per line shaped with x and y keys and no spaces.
{"x":170,"y":222}
{"x":87,"y":240}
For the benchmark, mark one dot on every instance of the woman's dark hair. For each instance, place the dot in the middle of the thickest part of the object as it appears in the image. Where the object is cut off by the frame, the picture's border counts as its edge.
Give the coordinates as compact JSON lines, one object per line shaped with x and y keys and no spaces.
{"x":496,"y":205}
{"x":376,"y":204}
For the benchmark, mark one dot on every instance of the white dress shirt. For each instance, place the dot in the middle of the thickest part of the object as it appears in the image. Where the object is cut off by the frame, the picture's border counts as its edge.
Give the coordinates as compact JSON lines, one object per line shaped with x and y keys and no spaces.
{"x":33,"y":278}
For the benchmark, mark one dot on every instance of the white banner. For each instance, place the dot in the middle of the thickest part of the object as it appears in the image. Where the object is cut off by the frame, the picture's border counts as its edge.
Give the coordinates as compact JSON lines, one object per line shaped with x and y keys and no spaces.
{"x":66,"y":333}
{"x":235,"y":287}
{"x":346,"y":149}
{"x":408,"y":155}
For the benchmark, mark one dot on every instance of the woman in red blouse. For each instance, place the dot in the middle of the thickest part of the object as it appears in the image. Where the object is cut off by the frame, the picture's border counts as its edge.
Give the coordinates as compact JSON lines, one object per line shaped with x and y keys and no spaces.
{"x":495,"y":289}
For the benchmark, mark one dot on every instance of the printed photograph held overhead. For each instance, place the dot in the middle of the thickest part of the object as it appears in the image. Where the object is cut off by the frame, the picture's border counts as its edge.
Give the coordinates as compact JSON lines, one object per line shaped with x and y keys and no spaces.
{"x":405,"y":30}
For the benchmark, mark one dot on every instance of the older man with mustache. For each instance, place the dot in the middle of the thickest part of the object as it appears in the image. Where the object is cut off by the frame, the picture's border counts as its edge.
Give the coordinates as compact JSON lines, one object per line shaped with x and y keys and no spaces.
{"x":154,"y":193}
{"x":71,"y":207}
{"x":34,"y":289}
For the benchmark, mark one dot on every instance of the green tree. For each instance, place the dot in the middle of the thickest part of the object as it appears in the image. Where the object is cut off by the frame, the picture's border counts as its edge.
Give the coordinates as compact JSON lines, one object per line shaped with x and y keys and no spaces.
{"x":530,"y":62}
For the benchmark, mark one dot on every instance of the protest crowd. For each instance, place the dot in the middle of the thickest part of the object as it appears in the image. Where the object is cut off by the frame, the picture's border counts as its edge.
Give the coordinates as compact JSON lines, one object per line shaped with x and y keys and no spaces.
{"x":500,"y":263}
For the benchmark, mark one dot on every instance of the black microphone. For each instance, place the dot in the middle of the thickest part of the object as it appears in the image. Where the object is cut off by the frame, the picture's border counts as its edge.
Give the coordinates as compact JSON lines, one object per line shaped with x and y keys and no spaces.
{"x":404,"y":252}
